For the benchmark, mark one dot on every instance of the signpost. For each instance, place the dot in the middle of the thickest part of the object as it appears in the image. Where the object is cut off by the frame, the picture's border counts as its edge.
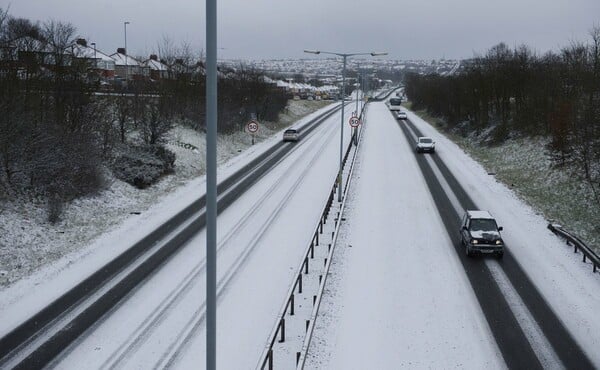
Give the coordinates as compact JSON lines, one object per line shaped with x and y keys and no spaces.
{"x":354,"y":123}
{"x":252,"y":127}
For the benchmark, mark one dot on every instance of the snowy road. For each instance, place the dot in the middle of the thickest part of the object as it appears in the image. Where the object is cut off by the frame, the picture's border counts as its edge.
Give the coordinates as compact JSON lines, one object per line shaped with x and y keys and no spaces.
{"x":398,"y":295}
{"x":261,"y":239}
{"x":402,"y":292}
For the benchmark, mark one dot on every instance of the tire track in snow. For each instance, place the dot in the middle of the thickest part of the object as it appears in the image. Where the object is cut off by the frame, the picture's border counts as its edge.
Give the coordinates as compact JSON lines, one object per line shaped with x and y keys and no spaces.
{"x":545,"y":333}
{"x":136,"y":340}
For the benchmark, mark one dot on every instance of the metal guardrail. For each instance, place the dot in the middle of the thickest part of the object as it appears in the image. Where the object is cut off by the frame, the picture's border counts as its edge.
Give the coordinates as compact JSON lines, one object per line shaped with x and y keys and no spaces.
{"x":577,"y":243}
{"x":278,"y":333}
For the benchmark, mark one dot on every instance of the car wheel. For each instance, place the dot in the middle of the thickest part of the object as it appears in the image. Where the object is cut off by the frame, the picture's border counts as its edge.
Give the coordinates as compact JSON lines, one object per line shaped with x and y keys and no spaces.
{"x":468,"y":251}
{"x":500,"y":255}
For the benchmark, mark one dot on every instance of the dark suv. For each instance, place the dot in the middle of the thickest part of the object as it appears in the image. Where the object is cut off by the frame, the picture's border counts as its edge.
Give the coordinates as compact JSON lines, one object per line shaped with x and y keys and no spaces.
{"x":479,"y":233}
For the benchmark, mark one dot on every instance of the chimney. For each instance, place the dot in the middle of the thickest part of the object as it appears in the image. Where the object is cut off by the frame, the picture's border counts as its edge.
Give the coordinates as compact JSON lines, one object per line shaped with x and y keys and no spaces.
{"x":121,"y":51}
{"x":154,"y":57}
{"x":81,"y":42}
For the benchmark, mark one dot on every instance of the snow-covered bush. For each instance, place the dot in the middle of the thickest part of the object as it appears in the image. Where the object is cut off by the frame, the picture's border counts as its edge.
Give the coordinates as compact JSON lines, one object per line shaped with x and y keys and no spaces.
{"x":142,"y":166}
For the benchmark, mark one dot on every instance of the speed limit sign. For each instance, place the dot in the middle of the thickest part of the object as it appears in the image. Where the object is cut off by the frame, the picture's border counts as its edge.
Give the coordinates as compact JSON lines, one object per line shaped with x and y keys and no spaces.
{"x":252,"y":126}
{"x":354,"y":121}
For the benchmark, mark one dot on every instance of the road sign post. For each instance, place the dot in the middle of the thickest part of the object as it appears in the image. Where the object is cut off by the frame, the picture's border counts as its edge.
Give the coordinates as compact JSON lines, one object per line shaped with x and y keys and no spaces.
{"x":252,"y":127}
{"x":354,"y":123}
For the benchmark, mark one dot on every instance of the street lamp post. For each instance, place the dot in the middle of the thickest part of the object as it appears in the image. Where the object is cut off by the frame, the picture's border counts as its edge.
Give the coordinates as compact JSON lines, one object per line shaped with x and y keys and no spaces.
{"x":126,"y":62}
{"x":344,"y":56}
{"x":211,"y":184}
{"x":356,"y":91}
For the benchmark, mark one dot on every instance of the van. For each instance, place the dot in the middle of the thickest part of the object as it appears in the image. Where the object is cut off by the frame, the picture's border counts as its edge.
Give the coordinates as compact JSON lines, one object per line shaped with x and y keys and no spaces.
{"x":395,"y":104}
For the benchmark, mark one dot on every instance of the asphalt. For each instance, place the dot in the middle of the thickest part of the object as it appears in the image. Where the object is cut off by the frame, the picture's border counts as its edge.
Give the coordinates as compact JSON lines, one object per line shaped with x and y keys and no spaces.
{"x":510,"y":338}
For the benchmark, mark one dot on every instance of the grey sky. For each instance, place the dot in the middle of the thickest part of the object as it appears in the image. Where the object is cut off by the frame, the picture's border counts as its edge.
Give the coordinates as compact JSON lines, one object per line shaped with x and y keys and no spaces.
{"x":268,"y":29}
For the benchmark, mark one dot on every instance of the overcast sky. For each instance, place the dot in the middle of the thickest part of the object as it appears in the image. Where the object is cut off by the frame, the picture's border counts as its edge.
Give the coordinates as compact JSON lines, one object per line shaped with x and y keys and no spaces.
{"x":274,"y":29}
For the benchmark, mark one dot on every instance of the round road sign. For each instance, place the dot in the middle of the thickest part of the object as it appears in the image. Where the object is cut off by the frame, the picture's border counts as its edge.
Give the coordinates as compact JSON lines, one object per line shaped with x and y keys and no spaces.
{"x":354,"y":121}
{"x":252,"y":126}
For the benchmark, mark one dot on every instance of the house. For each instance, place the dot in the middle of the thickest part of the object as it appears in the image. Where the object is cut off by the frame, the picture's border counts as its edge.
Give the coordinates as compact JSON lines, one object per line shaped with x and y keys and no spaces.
{"x":98,"y":61}
{"x":31,"y":56}
{"x":157,"y":69}
{"x":129,"y":68}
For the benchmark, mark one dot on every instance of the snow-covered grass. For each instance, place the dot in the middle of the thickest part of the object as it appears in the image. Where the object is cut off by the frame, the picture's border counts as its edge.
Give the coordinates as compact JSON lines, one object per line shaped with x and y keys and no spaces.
{"x":28,"y":241}
{"x":524,"y":165}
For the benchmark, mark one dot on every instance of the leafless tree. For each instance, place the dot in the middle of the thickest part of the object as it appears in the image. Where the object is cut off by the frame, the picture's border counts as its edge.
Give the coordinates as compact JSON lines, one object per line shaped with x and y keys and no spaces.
{"x":153,"y":125}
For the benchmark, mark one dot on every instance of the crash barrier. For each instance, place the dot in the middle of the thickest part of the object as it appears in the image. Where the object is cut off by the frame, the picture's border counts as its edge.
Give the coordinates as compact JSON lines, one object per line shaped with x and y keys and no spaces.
{"x":278,"y":333}
{"x":577,"y":244}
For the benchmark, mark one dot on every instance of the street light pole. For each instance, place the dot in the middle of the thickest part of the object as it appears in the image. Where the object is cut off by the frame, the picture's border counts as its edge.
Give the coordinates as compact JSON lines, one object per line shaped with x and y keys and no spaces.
{"x":211,"y":184}
{"x":340,"y":177}
{"x":344,"y":56}
{"x":126,"y":62}
{"x":356,"y":91}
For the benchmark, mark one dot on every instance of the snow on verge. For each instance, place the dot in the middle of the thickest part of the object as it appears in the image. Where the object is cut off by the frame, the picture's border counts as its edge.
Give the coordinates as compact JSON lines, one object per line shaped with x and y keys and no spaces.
{"x":102,"y":228}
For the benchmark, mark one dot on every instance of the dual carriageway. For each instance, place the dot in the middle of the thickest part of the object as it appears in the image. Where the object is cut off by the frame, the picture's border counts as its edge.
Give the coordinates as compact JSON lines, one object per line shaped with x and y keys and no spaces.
{"x":401,"y":276}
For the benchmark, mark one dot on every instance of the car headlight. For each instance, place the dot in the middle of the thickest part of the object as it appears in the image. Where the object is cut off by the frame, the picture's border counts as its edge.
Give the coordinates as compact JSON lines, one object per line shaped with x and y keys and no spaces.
{"x":498,"y":242}
{"x":474,"y":241}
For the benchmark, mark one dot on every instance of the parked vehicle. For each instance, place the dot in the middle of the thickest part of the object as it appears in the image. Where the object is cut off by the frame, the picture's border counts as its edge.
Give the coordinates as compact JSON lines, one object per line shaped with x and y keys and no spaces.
{"x":292,"y":134}
{"x":479,"y":233}
{"x":425,"y":144}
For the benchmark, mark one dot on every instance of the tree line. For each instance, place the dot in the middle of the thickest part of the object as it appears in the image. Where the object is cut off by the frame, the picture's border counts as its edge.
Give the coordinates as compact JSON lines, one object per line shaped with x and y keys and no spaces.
{"x":60,"y":138}
{"x":510,"y":92}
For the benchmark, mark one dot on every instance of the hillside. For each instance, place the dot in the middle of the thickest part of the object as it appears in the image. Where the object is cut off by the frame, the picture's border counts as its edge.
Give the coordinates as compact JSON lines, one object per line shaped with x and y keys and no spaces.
{"x":28,"y":241}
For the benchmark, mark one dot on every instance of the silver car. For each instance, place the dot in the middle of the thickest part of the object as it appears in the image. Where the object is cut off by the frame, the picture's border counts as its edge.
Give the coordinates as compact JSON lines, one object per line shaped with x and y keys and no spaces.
{"x":425,"y":144}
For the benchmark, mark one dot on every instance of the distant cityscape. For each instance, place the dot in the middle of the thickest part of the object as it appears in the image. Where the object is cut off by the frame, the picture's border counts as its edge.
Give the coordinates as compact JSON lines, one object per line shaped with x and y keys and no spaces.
{"x":318,"y":68}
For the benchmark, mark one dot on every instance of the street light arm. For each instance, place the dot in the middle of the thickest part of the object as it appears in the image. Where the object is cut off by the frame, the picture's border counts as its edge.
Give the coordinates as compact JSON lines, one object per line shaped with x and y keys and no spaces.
{"x":374,"y":54}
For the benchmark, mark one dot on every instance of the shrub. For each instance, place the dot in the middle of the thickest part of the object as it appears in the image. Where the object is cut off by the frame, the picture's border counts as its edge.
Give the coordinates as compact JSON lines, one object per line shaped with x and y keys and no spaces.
{"x":142,"y":166}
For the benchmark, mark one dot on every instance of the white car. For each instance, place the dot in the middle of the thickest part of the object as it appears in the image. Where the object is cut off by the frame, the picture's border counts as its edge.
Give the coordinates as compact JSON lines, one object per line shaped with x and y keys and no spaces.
{"x":402,"y":115}
{"x":425,"y":144}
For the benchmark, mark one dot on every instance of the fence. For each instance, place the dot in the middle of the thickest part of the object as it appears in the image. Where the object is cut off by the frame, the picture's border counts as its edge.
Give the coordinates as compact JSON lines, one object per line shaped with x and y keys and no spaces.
{"x":278,"y":333}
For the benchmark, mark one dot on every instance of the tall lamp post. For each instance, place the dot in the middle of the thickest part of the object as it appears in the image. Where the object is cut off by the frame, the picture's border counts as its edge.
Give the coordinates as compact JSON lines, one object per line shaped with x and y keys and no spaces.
{"x":211,"y":184}
{"x":356,"y":91}
{"x":126,"y":61}
{"x":344,"y":56}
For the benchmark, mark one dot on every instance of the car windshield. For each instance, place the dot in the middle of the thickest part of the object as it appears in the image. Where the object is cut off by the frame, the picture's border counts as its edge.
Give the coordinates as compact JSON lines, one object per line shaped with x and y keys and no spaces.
{"x":290,"y":131}
{"x":425,"y":140}
{"x":483,"y":225}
